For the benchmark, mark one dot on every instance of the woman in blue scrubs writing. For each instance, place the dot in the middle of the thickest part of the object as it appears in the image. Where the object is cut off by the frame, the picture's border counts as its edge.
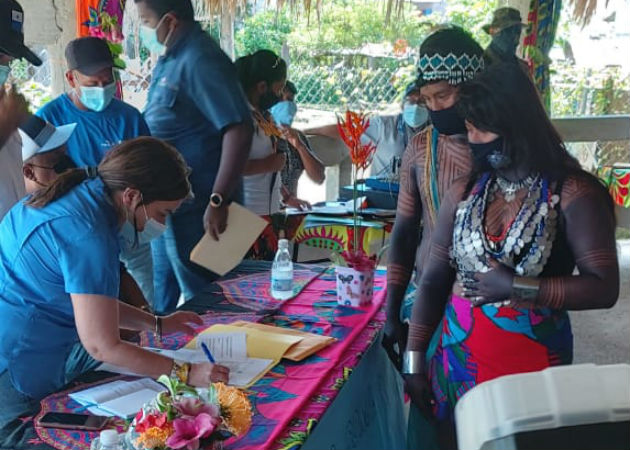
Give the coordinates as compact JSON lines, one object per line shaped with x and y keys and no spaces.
{"x":59,"y":276}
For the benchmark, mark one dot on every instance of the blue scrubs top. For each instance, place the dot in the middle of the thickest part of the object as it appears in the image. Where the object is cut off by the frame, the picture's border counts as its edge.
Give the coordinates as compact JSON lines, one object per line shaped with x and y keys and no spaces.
{"x":194,"y":95}
{"x":68,"y":247}
{"x":96,"y":132}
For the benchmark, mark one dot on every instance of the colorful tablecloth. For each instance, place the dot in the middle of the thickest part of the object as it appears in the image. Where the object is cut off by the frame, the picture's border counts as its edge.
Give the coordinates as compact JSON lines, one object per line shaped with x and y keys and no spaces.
{"x":618,"y":181}
{"x":337,"y":237}
{"x":328,"y":235}
{"x":290,"y":400}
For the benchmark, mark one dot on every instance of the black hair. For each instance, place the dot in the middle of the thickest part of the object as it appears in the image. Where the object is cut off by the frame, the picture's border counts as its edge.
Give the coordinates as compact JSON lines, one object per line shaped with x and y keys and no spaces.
{"x":183,"y":9}
{"x":290,"y":87}
{"x":503,"y":99}
{"x":263,"y":65}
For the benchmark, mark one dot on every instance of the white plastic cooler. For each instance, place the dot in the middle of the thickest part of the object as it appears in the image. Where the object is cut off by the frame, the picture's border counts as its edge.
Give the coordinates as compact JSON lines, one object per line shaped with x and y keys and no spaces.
{"x":577,"y":406}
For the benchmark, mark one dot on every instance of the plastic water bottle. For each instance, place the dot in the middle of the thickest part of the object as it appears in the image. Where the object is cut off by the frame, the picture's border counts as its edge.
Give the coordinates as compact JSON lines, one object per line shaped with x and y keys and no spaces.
{"x":282,"y":272}
{"x":107,"y":440}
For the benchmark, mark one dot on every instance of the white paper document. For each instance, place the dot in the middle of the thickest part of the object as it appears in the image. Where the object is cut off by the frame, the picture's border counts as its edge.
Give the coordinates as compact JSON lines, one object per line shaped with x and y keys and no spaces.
{"x":227,"y":349}
{"x":118,"y":398}
{"x":225,"y":346}
{"x":243,"y":228}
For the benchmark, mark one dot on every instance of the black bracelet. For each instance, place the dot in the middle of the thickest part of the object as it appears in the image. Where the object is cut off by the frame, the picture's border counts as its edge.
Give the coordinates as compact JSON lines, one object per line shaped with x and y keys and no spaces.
{"x":158,"y":327}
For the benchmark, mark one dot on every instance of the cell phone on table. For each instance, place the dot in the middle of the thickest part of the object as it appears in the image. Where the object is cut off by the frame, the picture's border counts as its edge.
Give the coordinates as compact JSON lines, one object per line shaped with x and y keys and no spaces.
{"x":73,"y":421}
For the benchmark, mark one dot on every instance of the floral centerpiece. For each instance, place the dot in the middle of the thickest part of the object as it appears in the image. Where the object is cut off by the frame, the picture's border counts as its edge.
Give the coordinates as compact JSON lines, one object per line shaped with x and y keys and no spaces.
{"x":186,"y":418}
{"x":355,"y":269}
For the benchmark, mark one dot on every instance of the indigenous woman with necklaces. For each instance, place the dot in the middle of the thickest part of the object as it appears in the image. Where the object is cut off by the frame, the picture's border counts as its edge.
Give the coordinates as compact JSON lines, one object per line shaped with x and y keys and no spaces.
{"x":504,"y":250}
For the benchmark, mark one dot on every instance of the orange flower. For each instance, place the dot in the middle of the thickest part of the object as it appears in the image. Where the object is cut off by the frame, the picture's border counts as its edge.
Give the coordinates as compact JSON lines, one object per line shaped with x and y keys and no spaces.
{"x":351,"y":129}
{"x":235,"y":408}
{"x":155,"y":437}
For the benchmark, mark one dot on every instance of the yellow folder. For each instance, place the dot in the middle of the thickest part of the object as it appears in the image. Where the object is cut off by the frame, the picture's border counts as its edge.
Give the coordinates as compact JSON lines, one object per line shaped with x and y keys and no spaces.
{"x":308,"y":345}
{"x":260,"y":344}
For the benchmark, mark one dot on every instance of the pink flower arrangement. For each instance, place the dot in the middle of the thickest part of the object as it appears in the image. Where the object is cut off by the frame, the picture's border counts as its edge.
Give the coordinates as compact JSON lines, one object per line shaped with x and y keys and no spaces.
{"x":190,"y":430}
{"x":182,"y":418}
{"x":359,"y":261}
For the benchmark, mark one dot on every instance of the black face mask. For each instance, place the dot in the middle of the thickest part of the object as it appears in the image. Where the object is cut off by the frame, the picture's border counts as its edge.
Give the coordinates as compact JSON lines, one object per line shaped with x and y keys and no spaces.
{"x":268,"y":99}
{"x":448,"y":121}
{"x":506,"y":40}
{"x":489,"y":155}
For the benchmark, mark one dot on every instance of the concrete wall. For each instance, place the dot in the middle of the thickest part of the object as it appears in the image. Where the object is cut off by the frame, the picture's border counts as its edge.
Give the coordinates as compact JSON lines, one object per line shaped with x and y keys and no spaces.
{"x":51,"y":23}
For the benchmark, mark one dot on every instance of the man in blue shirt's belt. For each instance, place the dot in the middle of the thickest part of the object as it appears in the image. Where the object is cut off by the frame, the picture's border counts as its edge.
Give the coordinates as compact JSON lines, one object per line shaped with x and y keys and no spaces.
{"x":195,"y":103}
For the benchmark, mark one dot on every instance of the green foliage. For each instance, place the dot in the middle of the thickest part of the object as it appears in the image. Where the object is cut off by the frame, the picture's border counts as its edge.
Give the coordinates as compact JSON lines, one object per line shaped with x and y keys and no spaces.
{"x":350,"y":24}
{"x":471,"y":15}
{"x":265,"y":30}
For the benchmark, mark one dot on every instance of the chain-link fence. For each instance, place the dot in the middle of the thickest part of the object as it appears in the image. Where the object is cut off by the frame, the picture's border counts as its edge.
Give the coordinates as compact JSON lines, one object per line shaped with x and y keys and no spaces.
{"x":600,"y":153}
{"x":34,"y":82}
{"x":338,"y":86}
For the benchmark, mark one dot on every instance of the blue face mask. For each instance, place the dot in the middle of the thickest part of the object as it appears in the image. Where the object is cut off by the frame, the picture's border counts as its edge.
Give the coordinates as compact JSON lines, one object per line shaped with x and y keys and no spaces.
{"x":284,"y":112}
{"x":97,"y":98}
{"x":414,"y":115}
{"x":131,"y":237}
{"x":4,"y":74}
{"x":150,"y":40}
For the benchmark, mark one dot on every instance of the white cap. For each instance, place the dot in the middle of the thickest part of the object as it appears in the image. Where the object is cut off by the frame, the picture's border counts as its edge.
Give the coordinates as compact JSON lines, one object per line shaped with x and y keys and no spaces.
{"x":283,"y":243}
{"x":39,"y":136}
{"x":109,"y":437}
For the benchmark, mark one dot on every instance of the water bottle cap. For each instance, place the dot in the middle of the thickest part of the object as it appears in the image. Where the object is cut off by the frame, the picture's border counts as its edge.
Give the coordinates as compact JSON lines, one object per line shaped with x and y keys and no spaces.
{"x":283,"y":243}
{"x":109,"y":437}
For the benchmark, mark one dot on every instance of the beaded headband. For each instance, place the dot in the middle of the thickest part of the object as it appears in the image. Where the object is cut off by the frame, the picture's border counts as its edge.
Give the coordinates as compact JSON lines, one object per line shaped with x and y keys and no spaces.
{"x":452,"y":68}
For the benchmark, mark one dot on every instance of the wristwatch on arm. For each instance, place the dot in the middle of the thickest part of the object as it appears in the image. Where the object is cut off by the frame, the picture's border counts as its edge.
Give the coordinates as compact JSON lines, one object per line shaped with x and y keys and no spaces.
{"x":216,"y":200}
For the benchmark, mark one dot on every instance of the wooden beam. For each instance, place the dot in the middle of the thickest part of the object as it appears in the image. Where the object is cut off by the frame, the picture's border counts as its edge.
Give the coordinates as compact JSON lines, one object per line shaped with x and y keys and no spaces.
{"x":595,"y":128}
{"x":227,"y":30}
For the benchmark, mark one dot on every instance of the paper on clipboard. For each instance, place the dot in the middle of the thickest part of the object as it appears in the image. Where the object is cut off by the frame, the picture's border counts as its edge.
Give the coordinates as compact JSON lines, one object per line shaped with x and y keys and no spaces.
{"x":243,"y":228}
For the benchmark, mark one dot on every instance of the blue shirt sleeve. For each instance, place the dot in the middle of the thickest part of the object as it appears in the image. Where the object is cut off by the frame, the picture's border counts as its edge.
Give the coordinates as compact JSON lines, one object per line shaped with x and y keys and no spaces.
{"x":88,"y":257}
{"x":214,"y":86}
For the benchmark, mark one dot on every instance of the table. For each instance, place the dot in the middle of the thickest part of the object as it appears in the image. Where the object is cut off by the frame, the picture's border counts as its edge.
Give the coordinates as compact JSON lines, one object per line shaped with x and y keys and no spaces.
{"x":347,"y":395}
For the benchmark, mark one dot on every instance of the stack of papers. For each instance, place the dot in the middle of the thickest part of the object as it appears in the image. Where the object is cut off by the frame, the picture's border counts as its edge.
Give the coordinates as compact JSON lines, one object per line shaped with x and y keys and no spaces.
{"x":118,"y":398}
{"x":250,"y":350}
{"x":229,"y":350}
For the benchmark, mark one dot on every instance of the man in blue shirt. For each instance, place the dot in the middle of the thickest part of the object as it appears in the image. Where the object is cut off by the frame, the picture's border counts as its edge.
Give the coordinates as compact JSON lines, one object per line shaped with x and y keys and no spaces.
{"x":102,"y":122}
{"x":196,"y":104}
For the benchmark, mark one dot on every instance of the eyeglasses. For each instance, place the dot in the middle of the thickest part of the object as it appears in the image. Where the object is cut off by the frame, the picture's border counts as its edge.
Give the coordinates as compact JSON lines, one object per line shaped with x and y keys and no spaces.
{"x":59,"y":167}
